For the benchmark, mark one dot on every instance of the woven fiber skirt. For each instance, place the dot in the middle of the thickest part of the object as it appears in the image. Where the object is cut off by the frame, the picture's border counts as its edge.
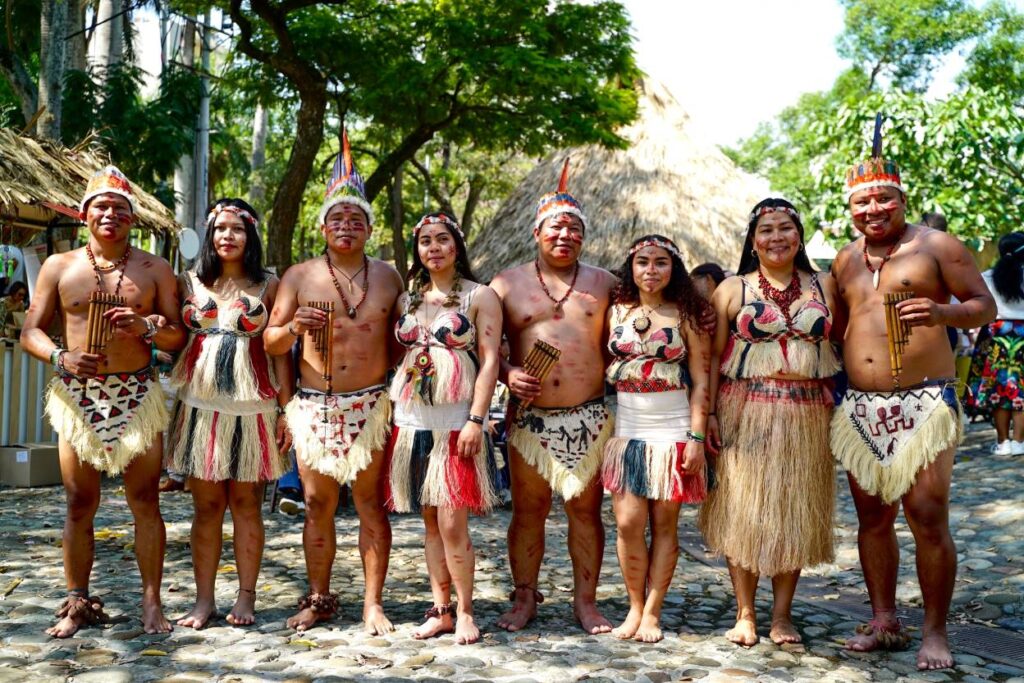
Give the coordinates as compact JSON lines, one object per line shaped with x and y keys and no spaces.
{"x":424,"y":467}
{"x":773,"y":509}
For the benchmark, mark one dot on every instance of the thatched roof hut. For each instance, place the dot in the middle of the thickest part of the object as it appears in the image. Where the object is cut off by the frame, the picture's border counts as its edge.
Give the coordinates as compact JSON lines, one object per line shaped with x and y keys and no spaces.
{"x":668,"y":181}
{"x":41,"y":180}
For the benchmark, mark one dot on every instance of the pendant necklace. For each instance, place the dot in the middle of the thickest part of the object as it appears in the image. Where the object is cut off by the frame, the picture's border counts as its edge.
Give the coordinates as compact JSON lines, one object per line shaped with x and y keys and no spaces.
{"x":99,"y":270}
{"x":349,"y":308}
{"x":642,"y":322}
{"x":876,"y":272}
{"x":557,"y":302}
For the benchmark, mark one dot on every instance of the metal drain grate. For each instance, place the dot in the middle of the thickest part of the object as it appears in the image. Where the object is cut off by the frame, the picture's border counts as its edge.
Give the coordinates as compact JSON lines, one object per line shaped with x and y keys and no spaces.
{"x":991,"y":643}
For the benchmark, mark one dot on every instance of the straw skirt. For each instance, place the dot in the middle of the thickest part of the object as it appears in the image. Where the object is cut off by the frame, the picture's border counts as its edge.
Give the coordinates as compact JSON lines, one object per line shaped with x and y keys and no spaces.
{"x":773,"y":509}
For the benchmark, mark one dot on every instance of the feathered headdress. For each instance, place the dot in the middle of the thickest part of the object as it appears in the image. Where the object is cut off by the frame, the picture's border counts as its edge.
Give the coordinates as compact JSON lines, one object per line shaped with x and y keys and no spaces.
{"x":559,"y":202}
{"x":108,"y":180}
{"x":873,"y":172}
{"x":346,"y":185}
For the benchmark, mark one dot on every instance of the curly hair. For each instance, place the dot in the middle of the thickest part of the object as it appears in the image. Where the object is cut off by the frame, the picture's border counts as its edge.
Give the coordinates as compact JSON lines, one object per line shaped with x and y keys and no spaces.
{"x":681,"y":291}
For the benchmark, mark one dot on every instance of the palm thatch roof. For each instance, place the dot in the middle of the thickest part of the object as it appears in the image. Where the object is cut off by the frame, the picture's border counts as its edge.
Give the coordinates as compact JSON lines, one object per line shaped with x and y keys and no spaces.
{"x":40,"y":180}
{"x":668,"y":181}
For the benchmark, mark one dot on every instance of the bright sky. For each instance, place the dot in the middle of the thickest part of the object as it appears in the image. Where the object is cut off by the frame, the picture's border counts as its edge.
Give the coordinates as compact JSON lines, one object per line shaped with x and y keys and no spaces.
{"x":730,"y":63}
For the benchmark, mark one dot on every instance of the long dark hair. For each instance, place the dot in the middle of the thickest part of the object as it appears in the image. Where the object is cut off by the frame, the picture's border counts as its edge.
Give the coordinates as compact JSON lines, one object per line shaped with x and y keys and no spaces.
{"x":418,"y":274}
{"x":1008,"y":273}
{"x":748,"y":257}
{"x":680,"y":289}
{"x":208,"y":265}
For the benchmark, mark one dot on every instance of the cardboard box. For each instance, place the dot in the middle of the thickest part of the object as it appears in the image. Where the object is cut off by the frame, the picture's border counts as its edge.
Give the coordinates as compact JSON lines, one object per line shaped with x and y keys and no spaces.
{"x":30,"y":464}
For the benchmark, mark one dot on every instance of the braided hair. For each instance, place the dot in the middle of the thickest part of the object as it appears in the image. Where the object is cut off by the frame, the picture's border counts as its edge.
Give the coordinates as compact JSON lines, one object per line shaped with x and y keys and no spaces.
{"x":419,"y":277}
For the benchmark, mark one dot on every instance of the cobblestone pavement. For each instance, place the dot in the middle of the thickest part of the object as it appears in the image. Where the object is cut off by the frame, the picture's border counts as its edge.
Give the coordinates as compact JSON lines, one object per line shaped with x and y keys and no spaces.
{"x":987,"y":516}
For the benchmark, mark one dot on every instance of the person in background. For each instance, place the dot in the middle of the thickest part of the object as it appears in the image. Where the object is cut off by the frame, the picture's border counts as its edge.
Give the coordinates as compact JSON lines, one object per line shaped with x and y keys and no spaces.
{"x":15,"y":301}
{"x":935,"y":221}
{"x":706,"y":277}
{"x":1000,"y":387}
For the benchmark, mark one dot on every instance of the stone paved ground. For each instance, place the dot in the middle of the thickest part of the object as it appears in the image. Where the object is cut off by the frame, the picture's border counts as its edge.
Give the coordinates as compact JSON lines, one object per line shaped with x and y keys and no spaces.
{"x":988,"y":512}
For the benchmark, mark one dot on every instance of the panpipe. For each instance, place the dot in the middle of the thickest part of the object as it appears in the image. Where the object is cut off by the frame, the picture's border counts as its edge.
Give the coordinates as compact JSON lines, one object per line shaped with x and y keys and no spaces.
{"x":541,"y":358}
{"x":897,"y":331}
{"x":99,"y":329}
{"x":323,"y":339}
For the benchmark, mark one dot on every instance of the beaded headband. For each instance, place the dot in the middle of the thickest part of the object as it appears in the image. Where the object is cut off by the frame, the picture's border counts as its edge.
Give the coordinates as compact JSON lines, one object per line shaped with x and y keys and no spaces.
{"x":754,"y":215}
{"x":664,"y":244}
{"x":223,"y":208}
{"x":438,"y":219}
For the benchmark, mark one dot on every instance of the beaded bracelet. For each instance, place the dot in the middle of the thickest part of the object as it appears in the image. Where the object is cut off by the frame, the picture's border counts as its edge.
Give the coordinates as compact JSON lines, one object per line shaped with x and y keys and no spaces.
{"x":55,"y":355}
{"x":695,"y":437}
{"x":476,"y":419}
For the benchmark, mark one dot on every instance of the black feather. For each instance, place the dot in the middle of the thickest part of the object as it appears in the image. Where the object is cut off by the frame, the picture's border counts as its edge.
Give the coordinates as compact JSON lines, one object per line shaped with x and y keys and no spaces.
{"x":876,"y":141}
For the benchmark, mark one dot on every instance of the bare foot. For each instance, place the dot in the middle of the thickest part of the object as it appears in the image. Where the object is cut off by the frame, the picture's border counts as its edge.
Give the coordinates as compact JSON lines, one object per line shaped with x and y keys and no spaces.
{"x":524,"y":609}
{"x":934,"y":652}
{"x":434,"y":626}
{"x":78,"y":611}
{"x":305,"y":618}
{"x":879,"y":634}
{"x":743,"y":633}
{"x":627,"y":629}
{"x":199,"y":616}
{"x":649,"y":631}
{"x":153,"y":619}
{"x":466,"y":631}
{"x":783,"y":631}
{"x":374,"y":621}
{"x":590,"y":619}
{"x":244,"y":611}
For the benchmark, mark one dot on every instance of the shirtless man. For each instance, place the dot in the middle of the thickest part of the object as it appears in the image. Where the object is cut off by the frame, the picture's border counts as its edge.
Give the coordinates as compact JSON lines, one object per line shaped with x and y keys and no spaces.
{"x":340,"y":427}
{"x":561,"y":301}
{"x":896,"y":433}
{"x":107,"y":408}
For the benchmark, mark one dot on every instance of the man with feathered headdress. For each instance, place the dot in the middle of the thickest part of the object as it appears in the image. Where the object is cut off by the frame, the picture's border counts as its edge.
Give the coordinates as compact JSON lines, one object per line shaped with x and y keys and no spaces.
{"x":105,"y":403}
{"x":559,"y":425}
{"x":340,"y":415}
{"x":899,"y":423}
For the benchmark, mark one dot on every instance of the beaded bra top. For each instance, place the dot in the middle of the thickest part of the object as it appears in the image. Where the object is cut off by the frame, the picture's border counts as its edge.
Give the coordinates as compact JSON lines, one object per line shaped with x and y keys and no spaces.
{"x":451,"y":329}
{"x":761,"y":320}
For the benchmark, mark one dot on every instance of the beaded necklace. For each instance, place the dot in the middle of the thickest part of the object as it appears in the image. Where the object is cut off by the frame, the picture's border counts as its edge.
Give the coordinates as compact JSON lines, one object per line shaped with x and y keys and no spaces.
{"x":783,"y":298}
{"x":557,"y":302}
{"x":99,"y":270}
{"x":349,"y":308}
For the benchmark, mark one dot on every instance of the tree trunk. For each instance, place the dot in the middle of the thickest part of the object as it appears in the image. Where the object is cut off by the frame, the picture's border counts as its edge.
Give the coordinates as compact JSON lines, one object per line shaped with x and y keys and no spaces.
{"x":184,"y":193}
{"x":108,"y":40}
{"x":397,"y":221}
{"x":53,"y":28}
{"x":476,"y":188}
{"x":257,"y":188}
{"x":13,"y":69}
{"x":309,"y":134}
{"x":75,"y":52}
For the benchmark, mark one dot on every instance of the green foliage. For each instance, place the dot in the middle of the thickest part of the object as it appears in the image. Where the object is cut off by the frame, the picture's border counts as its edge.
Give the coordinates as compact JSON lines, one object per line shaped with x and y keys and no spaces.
{"x":962,"y":157}
{"x":903,"y":40}
{"x":145,"y":138}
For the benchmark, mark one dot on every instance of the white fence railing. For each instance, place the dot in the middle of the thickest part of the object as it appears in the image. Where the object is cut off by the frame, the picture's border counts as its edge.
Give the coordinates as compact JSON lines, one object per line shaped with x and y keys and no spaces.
{"x":24,"y":381}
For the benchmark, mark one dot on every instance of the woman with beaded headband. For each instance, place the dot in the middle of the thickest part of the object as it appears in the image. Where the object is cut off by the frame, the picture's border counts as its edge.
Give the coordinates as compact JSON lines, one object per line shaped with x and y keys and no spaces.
{"x":655,"y":460}
{"x":228,"y":433}
{"x":772,"y":509}
{"x":440,"y":460}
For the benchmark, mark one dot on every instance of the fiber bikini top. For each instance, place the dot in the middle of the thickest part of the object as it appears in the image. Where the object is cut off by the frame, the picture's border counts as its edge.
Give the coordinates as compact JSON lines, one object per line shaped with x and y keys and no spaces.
{"x":761,"y":320}
{"x":451,"y":329}
{"x":246,"y":316}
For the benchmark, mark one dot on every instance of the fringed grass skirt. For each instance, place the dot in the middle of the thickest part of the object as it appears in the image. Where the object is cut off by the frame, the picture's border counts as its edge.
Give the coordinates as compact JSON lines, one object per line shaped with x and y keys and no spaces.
{"x":773,"y":508}
{"x":110,"y":419}
{"x":564,"y":445}
{"x":645,"y":457}
{"x":337,"y":434}
{"x":424,"y":468}
{"x":885,"y":438}
{"x":235,"y":442}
